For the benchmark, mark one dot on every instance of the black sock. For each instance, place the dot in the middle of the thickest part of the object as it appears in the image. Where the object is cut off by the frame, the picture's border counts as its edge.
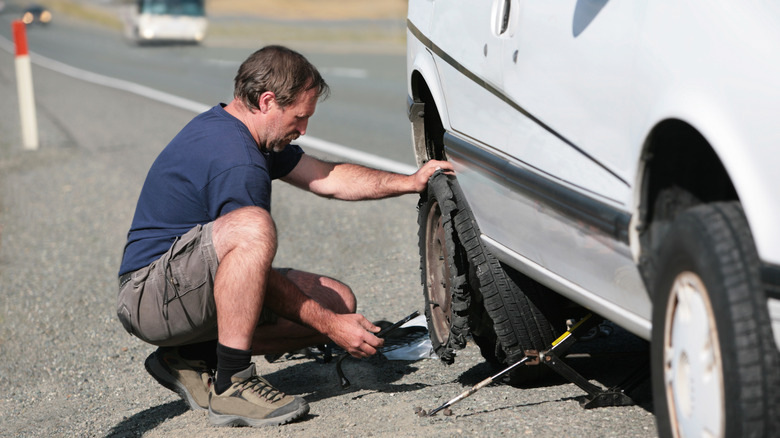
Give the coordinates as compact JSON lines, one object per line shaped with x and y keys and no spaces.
{"x":205,"y":351}
{"x":229,"y":362}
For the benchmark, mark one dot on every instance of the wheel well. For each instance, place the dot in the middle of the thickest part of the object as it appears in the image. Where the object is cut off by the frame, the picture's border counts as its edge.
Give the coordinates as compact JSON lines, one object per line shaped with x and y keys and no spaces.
{"x":426,"y":122}
{"x":678,"y":156}
{"x":681,"y":170}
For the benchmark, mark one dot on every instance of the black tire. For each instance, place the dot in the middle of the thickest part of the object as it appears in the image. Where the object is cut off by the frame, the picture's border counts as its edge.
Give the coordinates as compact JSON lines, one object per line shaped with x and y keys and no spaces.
{"x":715,"y":363}
{"x":443,"y":267}
{"x":477,"y":290}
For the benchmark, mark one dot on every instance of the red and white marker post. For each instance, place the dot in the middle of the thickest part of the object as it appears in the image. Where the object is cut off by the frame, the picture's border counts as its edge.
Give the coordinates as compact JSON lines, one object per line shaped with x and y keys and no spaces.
{"x":25,"y":87}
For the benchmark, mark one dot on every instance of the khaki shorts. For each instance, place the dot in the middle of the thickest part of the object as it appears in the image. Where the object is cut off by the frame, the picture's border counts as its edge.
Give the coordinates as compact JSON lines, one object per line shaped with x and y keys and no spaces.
{"x":171,"y":301}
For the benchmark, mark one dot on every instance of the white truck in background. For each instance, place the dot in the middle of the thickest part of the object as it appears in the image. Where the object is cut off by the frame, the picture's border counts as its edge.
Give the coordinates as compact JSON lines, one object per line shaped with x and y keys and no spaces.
{"x":147,"y":21}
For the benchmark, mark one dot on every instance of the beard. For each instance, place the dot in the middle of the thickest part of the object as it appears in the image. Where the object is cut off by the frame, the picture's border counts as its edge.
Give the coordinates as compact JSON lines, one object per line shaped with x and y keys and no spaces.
{"x":280,"y":144}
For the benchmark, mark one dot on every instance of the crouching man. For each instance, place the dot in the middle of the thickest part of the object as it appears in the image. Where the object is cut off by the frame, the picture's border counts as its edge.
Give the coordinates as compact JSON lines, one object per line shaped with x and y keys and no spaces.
{"x":197,"y":277}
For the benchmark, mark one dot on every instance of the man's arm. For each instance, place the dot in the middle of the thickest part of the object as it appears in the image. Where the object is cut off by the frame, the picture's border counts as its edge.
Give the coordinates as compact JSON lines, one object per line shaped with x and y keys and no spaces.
{"x":352,"y":332}
{"x":353,"y":182}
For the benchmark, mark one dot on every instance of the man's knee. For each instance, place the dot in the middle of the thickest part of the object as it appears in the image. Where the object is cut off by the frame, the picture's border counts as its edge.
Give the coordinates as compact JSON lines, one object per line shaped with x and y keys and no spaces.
{"x":348,"y":298}
{"x":328,"y":291}
{"x":249,"y":227}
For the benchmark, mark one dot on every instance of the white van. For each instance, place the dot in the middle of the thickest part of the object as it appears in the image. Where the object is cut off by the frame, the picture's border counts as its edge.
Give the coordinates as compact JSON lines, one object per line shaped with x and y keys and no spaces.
{"x":620,"y":155}
{"x":148,"y":21}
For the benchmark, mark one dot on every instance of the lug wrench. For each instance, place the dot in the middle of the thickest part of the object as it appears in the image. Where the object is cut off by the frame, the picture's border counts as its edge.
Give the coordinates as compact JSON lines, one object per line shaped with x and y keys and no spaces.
{"x":342,"y":378}
{"x":481,"y":384}
{"x":529,"y":355}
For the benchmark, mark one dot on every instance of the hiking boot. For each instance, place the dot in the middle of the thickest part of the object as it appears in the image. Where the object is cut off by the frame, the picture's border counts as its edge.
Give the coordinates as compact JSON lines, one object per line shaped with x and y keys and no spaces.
{"x":190,"y":379}
{"x":252,"y":401}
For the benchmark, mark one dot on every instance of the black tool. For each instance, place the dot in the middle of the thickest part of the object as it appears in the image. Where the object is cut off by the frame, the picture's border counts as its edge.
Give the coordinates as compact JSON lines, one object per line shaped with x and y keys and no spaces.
{"x":343,"y":379}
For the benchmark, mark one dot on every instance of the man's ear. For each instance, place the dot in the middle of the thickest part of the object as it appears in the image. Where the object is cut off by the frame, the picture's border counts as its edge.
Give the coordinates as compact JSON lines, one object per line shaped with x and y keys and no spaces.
{"x":266,"y":101}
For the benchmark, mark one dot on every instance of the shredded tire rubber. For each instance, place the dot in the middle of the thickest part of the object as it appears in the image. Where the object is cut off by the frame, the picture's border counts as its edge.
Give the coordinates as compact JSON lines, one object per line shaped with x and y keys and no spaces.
{"x":501,"y":309}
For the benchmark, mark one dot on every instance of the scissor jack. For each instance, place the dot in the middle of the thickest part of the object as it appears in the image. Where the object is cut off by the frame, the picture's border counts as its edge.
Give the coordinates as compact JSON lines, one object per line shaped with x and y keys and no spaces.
{"x":597,"y":397}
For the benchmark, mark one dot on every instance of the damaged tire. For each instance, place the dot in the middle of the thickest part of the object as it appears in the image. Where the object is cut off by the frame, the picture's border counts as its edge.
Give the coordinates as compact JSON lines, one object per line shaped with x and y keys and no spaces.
{"x":467,"y":290}
{"x":443,"y":266}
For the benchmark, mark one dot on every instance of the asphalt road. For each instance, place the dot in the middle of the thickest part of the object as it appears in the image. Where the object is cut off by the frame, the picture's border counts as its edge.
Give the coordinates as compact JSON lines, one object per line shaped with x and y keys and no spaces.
{"x":366,"y":111}
{"x":68,"y":369}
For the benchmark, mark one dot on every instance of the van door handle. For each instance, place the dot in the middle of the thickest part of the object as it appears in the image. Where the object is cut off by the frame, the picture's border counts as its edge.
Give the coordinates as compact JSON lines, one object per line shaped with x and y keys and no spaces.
{"x":501,"y":14}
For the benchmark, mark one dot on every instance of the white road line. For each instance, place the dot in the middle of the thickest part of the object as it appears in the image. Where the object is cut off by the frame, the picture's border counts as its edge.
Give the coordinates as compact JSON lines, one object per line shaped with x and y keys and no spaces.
{"x":352,"y":73}
{"x":196,"y":107}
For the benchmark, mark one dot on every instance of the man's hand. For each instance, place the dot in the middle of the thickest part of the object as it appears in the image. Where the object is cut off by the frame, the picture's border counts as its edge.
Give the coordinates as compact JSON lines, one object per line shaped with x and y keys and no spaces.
{"x":355,"y":334}
{"x":424,"y":173}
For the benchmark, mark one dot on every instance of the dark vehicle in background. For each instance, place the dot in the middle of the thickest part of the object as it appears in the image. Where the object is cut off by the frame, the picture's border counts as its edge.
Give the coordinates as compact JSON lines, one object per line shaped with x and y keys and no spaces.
{"x":36,"y":14}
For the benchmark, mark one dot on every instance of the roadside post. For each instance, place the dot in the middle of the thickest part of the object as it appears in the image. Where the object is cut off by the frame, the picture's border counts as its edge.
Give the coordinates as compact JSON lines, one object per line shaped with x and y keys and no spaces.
{"x":25,"y":88}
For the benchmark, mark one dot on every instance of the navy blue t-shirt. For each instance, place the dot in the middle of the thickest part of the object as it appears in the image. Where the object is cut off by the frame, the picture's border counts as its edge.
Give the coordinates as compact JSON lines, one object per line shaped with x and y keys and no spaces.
{"x":212,"y":167}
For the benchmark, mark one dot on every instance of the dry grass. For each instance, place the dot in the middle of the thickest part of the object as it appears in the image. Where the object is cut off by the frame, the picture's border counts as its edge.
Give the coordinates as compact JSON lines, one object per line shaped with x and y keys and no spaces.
{"x":375,"y":37}
{"x":280,"y":29}
{"x":311,"y":9}
{"x":83,"y":11}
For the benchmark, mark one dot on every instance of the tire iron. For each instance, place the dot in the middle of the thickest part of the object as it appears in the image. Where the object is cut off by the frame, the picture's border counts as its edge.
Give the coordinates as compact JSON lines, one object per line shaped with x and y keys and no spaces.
{"x":530,"y":355}
{"x":481,"y":385}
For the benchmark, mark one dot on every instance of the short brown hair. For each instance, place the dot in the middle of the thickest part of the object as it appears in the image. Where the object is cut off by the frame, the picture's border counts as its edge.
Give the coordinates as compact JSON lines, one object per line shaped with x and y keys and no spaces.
{"x":283,"y":71}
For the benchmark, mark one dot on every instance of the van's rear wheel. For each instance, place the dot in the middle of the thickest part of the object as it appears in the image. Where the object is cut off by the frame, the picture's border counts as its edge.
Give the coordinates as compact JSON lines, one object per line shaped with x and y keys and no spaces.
{"x":715,"y":364}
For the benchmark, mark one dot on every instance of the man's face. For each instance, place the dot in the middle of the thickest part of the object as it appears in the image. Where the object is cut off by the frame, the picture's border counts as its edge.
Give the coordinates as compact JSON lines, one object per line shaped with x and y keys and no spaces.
{"x":286,"y":124}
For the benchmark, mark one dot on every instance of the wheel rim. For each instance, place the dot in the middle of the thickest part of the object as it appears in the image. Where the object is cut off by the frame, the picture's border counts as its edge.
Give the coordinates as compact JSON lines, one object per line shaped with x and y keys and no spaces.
{"x":437,"y":276}
{"x":693,"y":368}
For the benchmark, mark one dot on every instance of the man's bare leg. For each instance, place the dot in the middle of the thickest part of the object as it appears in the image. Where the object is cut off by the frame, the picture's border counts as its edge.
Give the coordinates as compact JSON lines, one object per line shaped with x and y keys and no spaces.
{"x":286,"y":335}
{"x":245,"y":242}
